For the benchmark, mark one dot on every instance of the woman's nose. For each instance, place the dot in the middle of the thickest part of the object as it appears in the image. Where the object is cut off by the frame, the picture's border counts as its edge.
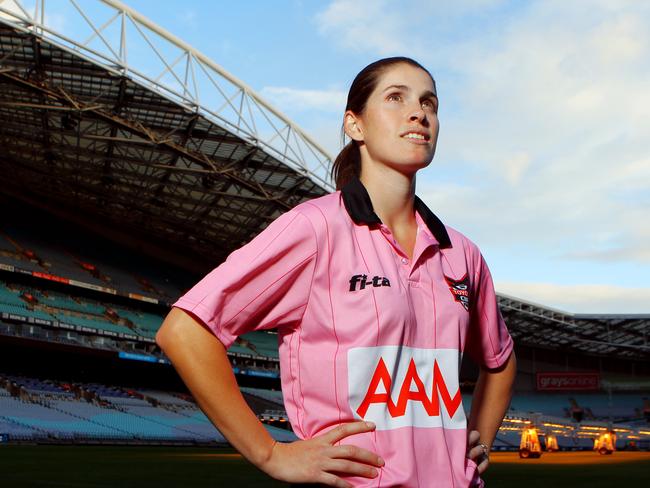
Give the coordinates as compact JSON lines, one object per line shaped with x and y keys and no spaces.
{"x":417,"y":114}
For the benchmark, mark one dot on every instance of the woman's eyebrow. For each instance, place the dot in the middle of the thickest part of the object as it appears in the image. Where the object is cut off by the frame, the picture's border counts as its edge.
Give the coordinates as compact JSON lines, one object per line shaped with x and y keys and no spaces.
{"x":426,"y":94}
{"x":398,"y":87}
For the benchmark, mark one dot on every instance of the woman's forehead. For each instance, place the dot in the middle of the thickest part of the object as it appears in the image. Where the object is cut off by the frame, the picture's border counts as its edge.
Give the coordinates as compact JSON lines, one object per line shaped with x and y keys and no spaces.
{"x":406,"y":77}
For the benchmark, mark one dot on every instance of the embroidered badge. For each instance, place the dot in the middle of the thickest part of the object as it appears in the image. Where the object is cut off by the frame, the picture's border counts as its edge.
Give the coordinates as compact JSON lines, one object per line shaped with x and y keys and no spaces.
{"x":460,"y":290}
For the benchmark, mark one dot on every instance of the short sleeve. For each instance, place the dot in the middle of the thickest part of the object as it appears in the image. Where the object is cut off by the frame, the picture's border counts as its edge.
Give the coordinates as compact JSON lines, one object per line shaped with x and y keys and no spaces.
{"x":262,"y":285}
{"x":489,"y":342}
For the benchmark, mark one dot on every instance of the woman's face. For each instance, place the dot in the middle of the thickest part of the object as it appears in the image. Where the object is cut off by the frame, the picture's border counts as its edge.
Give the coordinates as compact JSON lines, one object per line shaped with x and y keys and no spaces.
{"x":399,"y":126}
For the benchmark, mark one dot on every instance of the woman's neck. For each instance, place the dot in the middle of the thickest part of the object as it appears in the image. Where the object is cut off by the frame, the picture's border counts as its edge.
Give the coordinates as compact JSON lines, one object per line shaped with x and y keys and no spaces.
{"x":392,"y":195}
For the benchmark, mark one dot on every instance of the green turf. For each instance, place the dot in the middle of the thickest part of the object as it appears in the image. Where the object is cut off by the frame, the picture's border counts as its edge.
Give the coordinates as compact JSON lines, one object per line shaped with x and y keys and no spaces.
{"x":89,"y":466}
{"x":101,"y":466}
{"x":629,"y":474}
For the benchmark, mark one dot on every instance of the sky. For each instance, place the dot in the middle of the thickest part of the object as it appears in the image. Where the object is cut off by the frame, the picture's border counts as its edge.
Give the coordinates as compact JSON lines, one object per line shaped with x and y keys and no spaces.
{"x":543,"y":157}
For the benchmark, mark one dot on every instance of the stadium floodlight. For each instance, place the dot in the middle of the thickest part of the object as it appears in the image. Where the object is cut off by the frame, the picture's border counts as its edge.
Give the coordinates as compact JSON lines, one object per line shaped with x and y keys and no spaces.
{"x":122,"y":41}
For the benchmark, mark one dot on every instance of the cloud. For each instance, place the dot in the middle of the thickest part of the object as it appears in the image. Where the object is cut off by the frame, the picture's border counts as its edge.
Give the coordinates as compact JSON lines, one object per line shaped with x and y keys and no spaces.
{"x":362,"y":26}
{"x":294,"y":99}
{"x":544,"y":123}
{"x":565,"y":88}
{"x":587,"y":298}
{"x":388,"y":27}
{"x":515,"y":166}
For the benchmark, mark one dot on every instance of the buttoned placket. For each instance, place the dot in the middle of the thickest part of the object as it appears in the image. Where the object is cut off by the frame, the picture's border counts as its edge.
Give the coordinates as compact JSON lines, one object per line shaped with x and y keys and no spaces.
{"x":401,"y":255}
{"x":422,"y":241}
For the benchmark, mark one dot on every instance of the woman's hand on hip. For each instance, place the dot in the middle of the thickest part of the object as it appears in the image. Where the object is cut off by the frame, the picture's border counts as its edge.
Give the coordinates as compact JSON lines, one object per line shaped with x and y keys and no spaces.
{"x":478,"y":452}
{"x":319,"y":460}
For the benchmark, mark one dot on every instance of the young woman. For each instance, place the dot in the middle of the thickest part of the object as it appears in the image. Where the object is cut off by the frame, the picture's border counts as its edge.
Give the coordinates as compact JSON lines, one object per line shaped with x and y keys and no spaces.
{"x":375,"y":301}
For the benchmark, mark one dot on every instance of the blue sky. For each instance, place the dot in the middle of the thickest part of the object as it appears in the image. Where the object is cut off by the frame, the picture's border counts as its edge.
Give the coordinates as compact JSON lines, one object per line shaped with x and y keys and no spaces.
{"x":543,"y":157}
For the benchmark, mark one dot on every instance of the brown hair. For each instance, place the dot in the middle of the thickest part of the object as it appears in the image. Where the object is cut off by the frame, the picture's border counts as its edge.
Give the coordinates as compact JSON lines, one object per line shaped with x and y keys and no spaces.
{"x":348,"y":163}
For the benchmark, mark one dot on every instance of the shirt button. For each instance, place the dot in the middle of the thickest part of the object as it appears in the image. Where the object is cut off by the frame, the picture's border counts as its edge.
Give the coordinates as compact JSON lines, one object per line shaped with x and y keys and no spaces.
{"x":405,"y":261}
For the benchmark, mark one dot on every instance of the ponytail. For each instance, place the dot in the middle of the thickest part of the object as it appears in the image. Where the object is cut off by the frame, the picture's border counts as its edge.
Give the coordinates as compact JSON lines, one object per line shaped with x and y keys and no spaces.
{"x":347,"y":164}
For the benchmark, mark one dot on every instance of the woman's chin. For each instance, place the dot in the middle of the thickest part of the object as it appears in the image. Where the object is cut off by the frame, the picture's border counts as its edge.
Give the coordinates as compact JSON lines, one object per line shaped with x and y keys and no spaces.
{"x":412,"y":166}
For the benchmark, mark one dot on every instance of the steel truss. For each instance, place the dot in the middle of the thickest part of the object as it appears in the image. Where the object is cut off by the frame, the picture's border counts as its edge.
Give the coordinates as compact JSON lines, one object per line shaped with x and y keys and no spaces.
{"x":83,"y":131}
{"x":106,"y":31}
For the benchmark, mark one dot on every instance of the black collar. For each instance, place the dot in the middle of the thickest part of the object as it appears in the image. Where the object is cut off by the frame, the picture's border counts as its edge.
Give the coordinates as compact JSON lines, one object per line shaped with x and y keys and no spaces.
{"x":357,"y":203}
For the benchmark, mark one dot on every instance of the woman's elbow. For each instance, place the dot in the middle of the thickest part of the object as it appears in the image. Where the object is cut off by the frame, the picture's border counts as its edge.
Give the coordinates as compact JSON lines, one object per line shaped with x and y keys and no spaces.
{"x":168,"y":328}
{"x":181,"y":331}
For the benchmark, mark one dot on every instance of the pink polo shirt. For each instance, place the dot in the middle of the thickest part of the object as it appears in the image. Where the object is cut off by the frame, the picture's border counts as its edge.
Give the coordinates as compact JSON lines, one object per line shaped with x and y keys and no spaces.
{"x":364,"y":331}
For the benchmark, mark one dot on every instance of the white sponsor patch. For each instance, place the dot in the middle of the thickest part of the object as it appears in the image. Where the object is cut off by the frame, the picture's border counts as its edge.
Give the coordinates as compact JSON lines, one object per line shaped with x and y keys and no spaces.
{"x":399,"y":386}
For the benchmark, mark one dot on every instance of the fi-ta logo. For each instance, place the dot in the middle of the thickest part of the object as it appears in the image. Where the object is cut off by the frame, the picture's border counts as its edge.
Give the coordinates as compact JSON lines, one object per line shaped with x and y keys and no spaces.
{"x":363,"y":281}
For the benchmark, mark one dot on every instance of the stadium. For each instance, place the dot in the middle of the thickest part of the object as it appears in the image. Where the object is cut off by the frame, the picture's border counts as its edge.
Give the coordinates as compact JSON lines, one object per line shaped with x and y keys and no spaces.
{"x":131,"y":166}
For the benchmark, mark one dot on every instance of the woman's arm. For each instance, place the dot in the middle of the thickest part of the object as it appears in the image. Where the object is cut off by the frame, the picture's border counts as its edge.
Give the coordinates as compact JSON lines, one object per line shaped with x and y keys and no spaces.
{"x":201,"y":361}
{"x":490,"y":402}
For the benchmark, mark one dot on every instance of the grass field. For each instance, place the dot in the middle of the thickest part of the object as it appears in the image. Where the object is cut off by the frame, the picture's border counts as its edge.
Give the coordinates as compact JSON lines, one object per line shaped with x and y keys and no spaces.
{"x":101,"y":466}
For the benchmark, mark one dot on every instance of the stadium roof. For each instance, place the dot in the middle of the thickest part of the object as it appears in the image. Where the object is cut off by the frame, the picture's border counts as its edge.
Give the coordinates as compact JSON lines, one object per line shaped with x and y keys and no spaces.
{"x":164,"y":144}
{"x":621,"y":335}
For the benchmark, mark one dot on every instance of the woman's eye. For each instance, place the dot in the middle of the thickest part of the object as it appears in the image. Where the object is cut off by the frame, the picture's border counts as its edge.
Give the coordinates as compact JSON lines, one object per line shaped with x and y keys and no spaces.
{"x":429,"y":104}
{"x":394,"y":97}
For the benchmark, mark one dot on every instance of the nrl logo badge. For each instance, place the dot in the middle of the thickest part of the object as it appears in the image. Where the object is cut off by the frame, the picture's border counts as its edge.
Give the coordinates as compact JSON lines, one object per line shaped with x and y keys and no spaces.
{"x":460,"y":290}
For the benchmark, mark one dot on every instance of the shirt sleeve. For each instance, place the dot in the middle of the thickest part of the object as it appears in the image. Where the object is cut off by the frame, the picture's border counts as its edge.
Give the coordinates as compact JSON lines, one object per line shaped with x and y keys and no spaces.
{"x":489,"y":342}
{"x":262,"y":285}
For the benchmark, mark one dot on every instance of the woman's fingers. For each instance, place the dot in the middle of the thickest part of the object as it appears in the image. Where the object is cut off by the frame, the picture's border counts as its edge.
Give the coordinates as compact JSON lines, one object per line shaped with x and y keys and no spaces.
{"x":478,"y":455}
{"x":483,"y":465}
{"x":317,"y":460}
{"x":355,"y":453}
{"x":347,"y":467}
{"x":330,"y":479}
{"x":347,"y":429}
{"x":473,"y":437}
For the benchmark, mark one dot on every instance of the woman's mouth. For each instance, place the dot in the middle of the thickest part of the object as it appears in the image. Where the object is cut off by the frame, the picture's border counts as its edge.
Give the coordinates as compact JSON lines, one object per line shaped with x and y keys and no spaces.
{"x":416,"y":137}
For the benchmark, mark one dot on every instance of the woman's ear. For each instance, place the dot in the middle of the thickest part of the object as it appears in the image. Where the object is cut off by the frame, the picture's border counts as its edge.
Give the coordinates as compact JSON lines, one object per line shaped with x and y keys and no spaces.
{"x":352,"y":126}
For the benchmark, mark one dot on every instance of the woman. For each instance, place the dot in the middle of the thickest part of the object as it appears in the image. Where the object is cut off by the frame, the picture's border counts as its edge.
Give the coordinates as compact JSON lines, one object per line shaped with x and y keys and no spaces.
{"x":375,"y":300}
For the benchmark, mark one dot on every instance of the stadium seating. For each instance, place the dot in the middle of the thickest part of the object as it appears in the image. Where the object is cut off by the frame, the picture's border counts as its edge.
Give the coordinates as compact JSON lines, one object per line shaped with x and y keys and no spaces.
{"x":55,"y":423}
{"x":64,"y":302}
{"x":263,"y":343}
{"x":89,"y":313}
{"x":64,"y":258}
{"x":11,"y":302}
{"x":596,"y":405}
{"x":146,"y":324}
{"x":49,"y":410}
{"x":94,"y":323}
{"x":9,"y":296}
{"x":274,"y":396}
{"x":37,"y":386}
{"x":506,"y":441}
{"x":106,"y":391}
{"x":52,"y":412}
{"x":166,"y":398}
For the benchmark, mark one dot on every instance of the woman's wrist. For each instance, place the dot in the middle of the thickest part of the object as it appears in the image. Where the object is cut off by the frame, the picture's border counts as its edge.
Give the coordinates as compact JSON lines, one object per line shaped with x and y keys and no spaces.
{"x":265,"y":456}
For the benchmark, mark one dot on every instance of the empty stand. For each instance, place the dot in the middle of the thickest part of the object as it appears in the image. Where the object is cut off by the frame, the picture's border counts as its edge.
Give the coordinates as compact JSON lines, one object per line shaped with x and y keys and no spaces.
{"x":59,"y":248}
{"x":46,"y":410}
{"x":262,"y":343}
